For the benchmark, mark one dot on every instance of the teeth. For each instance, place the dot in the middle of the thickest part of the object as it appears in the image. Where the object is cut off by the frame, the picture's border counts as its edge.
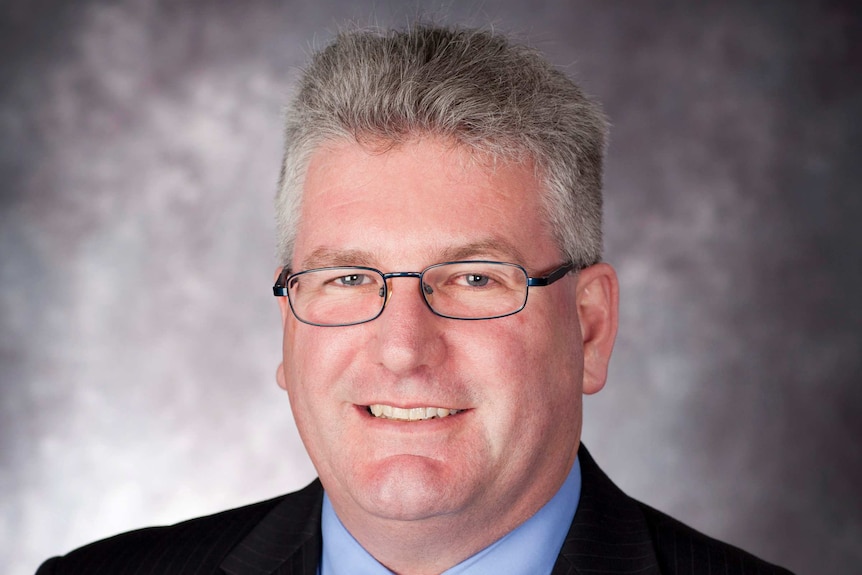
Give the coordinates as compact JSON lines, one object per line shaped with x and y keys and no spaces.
{"x":411,"y":414}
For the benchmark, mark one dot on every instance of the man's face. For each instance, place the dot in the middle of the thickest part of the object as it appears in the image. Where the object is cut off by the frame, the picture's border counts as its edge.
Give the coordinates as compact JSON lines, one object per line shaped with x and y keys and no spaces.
{"x":515,"y":381}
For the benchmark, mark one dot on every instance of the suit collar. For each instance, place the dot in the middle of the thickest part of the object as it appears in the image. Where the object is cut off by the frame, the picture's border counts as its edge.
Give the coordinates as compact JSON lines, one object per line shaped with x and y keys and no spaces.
{"x":609,"y":533}
{"x":287,"y":541}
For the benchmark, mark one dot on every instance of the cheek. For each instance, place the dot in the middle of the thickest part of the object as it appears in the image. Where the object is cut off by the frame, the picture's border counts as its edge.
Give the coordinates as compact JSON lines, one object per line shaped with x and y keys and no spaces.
{"x":312,"y":370}
{"x":531,"y":374}
{"x":314,"y":363}
{"x":541,"y":353}
{"x":314,"y":354}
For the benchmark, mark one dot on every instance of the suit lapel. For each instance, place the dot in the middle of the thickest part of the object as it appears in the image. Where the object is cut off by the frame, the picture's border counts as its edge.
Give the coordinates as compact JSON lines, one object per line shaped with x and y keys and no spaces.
{"x":286,"y":542}
{"x":609,"y":533}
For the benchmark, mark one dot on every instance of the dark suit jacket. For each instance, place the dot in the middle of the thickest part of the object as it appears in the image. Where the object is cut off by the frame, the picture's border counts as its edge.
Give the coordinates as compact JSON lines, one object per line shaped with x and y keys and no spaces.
{"x":611,"y":533}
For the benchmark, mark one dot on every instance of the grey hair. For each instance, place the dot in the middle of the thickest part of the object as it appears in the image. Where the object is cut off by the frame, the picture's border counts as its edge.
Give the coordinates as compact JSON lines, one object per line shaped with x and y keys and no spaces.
{"x":474,"y":87}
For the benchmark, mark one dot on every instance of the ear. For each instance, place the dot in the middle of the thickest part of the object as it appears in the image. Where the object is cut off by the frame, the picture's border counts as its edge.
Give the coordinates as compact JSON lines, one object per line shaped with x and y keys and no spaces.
{"x":598,"y":312}
{"x":283,"y":304}
{"x":279,"y":376}
{"x":284,"y":307}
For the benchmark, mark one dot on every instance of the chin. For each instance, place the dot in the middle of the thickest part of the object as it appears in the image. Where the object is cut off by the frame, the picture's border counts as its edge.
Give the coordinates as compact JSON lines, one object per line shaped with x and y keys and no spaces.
{"x":408,"y":488}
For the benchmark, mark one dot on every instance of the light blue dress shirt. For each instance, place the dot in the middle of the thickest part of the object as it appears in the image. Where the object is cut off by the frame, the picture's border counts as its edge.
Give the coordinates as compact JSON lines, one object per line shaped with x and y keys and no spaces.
{"x":531,"y":549}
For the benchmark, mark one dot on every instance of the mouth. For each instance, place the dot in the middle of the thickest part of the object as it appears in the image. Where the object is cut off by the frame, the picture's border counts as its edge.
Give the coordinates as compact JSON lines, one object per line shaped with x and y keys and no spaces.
{"x":381,"y":411}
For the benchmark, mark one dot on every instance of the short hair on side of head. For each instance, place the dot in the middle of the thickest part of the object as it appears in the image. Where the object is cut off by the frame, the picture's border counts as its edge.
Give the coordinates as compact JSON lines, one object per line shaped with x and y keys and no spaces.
{"x":475,"y":87}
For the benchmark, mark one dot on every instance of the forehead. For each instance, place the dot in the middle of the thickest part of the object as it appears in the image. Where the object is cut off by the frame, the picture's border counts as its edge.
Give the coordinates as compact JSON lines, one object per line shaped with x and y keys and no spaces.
{"x":419,"y":202}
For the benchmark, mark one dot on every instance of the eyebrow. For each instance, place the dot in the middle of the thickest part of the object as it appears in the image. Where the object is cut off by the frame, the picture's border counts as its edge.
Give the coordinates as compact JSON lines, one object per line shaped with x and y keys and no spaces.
{"x":492,"y":248}
{"x":324,"y":257}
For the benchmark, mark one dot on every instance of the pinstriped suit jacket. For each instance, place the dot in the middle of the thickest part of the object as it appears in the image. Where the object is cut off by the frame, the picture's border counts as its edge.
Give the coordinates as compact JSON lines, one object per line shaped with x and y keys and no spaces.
{"x":611,"y":533}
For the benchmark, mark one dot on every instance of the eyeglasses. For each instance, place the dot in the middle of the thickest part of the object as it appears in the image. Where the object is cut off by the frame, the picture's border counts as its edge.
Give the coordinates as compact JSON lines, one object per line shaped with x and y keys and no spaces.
{"x":470,"y":290}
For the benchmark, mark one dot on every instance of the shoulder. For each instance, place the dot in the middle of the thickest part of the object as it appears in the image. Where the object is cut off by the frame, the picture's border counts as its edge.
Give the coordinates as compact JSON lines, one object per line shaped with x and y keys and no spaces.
{"x":681,"y":549}
{"x":612,"y":532}
{"x":196,"y":546}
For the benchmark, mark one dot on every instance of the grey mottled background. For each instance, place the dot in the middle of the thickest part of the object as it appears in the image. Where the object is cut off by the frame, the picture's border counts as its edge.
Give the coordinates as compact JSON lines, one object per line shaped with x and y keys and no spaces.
{"x":139,"y":149}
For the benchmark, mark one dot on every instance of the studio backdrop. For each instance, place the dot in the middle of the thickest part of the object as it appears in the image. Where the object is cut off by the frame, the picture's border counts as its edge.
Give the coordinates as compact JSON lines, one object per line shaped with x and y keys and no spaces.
{"x":139,"y":154}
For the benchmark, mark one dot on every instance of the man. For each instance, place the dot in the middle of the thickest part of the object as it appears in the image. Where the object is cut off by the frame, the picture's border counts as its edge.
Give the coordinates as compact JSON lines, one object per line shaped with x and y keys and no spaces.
{"x":444,"y":309}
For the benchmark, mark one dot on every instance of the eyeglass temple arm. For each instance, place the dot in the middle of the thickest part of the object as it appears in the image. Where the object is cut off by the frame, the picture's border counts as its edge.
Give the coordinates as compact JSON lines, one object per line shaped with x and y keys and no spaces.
{"x":552,"y":277}
{"x":280,"y":287}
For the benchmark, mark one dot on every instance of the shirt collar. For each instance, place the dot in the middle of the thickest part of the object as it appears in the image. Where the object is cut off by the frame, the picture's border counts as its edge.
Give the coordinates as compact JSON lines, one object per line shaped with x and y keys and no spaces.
{"x":530,"y":549}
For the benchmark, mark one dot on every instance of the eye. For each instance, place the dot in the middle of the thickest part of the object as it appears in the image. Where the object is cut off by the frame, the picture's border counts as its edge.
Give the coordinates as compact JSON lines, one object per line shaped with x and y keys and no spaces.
{"x":468,"y":277}
{"x":353,"y":280}
{"x":476,"y":280}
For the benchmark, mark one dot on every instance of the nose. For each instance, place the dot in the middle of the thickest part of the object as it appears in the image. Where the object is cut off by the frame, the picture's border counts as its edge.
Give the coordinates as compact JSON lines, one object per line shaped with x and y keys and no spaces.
{"x":408,"y":335}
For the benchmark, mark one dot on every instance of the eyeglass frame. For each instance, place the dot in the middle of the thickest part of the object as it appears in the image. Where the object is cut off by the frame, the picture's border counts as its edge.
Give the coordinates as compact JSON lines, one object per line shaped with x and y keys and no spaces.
{"x":280,"y":288}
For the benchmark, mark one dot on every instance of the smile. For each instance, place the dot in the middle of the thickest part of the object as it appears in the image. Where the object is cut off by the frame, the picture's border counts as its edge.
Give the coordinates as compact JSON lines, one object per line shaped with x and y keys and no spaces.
{"x":410,"y":414}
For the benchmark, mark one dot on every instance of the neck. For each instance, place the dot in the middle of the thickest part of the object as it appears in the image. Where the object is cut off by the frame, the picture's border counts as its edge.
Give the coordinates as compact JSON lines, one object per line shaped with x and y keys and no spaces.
{"x":431,"y":545}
